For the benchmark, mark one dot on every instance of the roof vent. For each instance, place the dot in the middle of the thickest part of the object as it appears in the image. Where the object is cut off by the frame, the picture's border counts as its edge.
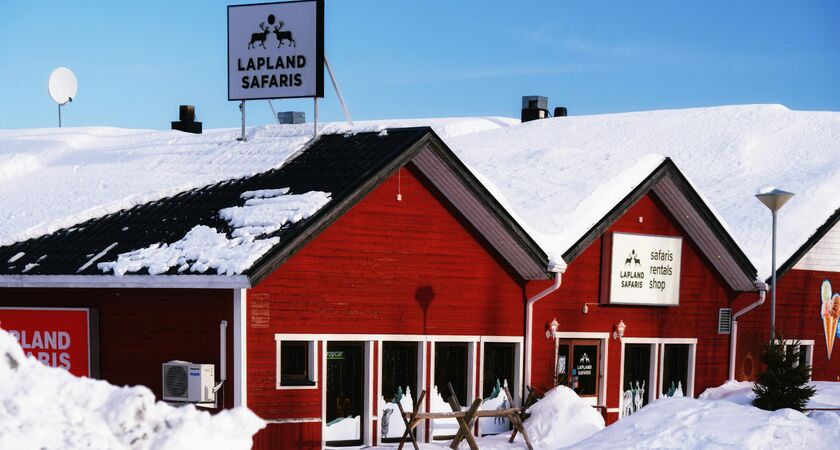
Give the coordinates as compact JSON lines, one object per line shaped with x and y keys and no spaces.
{"x":187,"y":122}
{"x":291,"y":117}
{"x":724,"y":320}
{"x":534,"y":107}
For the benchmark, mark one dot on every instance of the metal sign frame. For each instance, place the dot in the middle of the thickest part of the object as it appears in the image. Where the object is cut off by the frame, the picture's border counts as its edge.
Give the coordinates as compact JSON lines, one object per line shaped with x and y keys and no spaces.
{"x":319,"y":49}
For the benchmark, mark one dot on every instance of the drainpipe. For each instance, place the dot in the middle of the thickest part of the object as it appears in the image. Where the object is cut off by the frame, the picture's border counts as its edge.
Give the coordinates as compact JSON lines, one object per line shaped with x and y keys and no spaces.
{"x":733,"y":337}
{"x":558,"y":270}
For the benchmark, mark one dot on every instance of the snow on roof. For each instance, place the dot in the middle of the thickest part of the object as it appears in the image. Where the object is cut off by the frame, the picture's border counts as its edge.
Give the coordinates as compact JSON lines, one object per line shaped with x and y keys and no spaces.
{"x":55,"y":178}
{"x":49,"y":408}
{"x":562,"y":175}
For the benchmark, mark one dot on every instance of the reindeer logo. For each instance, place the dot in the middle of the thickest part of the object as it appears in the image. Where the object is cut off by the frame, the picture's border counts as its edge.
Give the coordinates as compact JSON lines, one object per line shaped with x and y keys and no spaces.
{"x":281,"y":35}
{"x":259,"y":37}
{"x":633,"y":259}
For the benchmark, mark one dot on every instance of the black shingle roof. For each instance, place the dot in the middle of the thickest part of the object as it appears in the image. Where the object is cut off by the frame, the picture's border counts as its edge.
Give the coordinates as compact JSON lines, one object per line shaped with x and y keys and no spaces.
{"x":338,"y":164}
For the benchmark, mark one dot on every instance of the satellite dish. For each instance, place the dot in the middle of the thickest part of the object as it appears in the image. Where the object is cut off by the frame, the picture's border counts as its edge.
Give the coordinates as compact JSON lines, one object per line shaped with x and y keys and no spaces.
{"x":62,"y":86}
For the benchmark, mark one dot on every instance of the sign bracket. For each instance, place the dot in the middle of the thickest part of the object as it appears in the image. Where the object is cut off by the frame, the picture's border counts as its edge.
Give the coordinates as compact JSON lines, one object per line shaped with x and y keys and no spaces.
{"x":338,"y":93}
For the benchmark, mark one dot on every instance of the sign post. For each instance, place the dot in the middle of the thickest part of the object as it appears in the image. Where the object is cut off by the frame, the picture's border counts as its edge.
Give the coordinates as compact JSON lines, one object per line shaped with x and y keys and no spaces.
{"x":275,"y":50}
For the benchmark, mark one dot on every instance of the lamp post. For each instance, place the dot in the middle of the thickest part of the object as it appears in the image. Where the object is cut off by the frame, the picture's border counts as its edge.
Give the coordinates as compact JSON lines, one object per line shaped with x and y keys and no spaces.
{"x":552,"y":333}
{"x":773,"y":199}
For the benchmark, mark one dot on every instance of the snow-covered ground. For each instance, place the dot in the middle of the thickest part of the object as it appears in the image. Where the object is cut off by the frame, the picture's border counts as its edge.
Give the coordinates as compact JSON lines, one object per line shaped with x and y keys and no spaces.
{"x":46,"y":408}
{"x":721,"y":418}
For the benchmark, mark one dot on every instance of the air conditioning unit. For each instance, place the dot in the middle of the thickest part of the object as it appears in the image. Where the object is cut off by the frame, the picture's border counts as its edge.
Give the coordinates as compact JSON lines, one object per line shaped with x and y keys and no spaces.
{"x":188,"y":382}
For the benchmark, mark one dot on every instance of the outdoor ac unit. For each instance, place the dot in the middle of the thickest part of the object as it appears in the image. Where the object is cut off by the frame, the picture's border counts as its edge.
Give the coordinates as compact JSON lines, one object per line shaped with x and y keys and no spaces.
{"x":188,"y":382}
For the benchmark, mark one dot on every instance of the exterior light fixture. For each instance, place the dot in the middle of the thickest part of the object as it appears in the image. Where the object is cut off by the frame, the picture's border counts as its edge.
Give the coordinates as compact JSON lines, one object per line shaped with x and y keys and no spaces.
{"x":773,"y":199}
{"x":551,"y":332}
{"x":618,"y":333}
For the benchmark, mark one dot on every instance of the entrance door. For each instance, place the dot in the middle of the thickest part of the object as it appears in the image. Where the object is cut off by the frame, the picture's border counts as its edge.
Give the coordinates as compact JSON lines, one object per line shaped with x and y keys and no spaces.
{"x":345,"y":393}
{"x":637,"y":383}
{"x":579,"y":367}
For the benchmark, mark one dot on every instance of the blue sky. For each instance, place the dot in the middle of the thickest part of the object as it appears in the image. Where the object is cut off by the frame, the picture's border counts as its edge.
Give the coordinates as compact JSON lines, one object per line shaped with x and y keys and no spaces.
{"x":137,"y":61}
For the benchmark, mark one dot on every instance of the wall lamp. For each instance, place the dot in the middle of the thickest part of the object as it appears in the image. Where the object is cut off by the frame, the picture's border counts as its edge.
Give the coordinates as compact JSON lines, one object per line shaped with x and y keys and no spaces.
{"x":551,"y":332}
{"x":618,"y":333}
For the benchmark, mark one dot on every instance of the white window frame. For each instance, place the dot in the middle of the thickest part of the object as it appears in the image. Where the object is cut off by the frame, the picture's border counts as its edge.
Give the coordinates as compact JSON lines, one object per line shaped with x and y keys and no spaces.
{"x":807,"y":344}
{"x":516,"y":387}
{"x":421,"y":380}
{"x":688,"y":389}
{"x":471,"y":369}
{"x":657,"y":356}
{"x":312,"y":346}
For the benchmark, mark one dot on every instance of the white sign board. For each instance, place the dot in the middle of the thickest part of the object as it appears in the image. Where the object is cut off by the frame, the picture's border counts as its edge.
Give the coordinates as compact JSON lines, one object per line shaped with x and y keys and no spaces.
{"x":276,"y":50}
{"x":645,"y":270}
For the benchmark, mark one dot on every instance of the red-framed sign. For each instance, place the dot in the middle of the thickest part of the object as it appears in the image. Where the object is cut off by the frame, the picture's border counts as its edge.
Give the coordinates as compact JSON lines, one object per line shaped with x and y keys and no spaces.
{"x":58,"y":337}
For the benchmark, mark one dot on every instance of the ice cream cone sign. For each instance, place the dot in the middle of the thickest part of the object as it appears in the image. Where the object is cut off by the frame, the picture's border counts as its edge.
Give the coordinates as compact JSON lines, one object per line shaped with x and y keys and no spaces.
{"x":829,"y":313}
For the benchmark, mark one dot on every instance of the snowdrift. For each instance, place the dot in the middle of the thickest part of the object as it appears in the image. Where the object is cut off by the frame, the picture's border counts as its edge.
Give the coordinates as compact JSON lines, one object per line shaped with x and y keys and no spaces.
{"x":687,"y":423}
{"x":44,"y":408}
{"x":561,"y":419}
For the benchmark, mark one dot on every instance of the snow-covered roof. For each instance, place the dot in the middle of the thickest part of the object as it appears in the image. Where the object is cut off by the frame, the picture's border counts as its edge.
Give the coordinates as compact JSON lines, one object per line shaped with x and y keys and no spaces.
{"x":557,"y":177}
{"x":54,"y":178}
{"x":562,"y":175}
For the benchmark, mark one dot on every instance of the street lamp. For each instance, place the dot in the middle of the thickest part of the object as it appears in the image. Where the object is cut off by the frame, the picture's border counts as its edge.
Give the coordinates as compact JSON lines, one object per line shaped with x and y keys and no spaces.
{"x":773,"y":199}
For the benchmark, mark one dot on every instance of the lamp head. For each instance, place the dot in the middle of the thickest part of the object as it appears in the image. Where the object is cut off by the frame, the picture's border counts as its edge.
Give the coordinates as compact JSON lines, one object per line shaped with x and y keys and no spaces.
{"x":774,"y":198}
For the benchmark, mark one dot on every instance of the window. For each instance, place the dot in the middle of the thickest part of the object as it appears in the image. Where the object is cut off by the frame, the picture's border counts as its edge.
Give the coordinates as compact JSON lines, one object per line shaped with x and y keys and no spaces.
{"x":674,"y":370}
{"x":806,"y":350}
{"x":638,"y":371}
{"x":296,"y":364}
{"x":399,"y":385}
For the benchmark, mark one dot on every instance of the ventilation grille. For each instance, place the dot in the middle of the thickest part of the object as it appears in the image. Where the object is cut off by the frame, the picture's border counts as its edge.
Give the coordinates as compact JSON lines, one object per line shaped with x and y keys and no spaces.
{"x":176,"y":381}
{"x":725,"y":321}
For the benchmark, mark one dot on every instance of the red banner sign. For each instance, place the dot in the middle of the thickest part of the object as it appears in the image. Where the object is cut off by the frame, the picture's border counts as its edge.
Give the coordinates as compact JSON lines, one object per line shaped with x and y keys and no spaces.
{"x":57,"y":337}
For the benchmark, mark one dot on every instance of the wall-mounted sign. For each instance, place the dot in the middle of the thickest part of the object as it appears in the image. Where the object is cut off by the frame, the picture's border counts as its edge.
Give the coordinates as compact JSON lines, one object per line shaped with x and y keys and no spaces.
{"x":830,"y":315}
{"x":642,"y":269}
{"x":58,"y":337}
{"x":276,"y":50}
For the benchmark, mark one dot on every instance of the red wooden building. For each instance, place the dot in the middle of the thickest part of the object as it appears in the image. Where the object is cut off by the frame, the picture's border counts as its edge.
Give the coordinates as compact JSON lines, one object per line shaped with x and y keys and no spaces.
{"x":800,"y":312}
{"x":411,"y":276}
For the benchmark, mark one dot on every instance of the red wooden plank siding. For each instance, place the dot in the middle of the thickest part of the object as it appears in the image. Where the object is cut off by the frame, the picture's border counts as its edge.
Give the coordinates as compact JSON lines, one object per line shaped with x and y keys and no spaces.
{"x":289,"y":436}
{"x":385,"y":267}
{"x":797,"y":317}
{"x":141,"y":328}
{"x":702,"y":293}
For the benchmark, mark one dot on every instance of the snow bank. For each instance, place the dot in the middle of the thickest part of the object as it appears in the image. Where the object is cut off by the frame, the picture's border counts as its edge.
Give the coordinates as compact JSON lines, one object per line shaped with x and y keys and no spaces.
{"x":53,"y":178}
{"x":740,"y":392}
{"x":561,"y":419}
{"x":560,"y":175}
{"x":687,"y":423}
{"x":48,"y":408}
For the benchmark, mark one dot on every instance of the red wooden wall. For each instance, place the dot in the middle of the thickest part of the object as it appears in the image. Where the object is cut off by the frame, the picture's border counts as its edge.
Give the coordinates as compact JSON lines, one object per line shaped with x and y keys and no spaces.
{"x":139,"y":329}
{"x":797,"y":317}
{"x":702,"y":293}
{"x":385,"y":267}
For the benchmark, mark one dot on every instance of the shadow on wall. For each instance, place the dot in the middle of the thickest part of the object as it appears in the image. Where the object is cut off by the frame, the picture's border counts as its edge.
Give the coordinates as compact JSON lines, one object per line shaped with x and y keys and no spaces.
{"x":424,"y":295}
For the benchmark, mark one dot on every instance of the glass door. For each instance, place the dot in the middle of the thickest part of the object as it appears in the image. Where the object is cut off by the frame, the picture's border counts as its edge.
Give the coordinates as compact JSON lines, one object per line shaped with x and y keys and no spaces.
{"x":345,"y":393}
{"x":399,"y":385}
{"x":498,"y":366}
{"x":451,"y":361}
{"x":578,"y":366}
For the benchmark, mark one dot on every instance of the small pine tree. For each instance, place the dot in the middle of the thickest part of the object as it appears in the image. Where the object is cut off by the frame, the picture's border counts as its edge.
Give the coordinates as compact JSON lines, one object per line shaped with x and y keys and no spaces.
{"x":784,"y":383}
